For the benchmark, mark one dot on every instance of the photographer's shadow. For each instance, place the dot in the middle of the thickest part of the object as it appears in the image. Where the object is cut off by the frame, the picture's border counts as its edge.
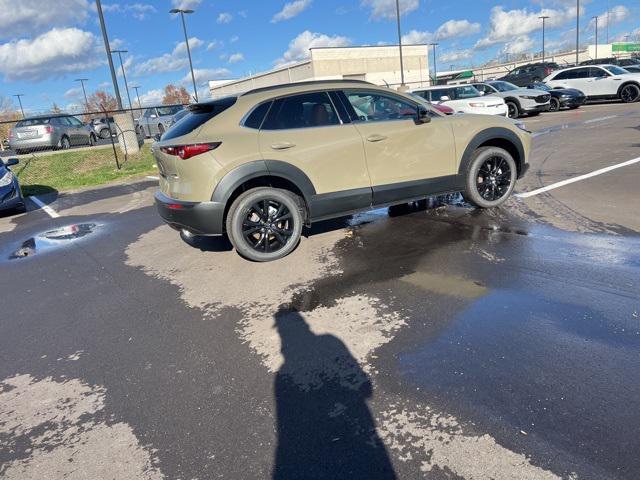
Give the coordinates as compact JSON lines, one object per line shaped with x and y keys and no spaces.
{"x":325,"y":428}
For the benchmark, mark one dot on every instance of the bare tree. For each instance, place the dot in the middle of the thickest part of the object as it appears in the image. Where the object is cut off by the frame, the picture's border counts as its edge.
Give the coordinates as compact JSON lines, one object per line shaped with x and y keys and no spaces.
{"x":174,"y":95}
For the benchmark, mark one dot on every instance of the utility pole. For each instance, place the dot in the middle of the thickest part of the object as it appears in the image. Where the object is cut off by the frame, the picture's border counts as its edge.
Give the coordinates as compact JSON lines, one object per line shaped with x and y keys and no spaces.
{"x":136,"y":87}
{"x":186,"y":41}
{"x":124,"y":75}
{"x":84,"y":92}
{"x":543,"y":18}
{"x":577,"y":32}
{"x":596,"y":19}
{"x":18,"y":95}
{"x":435,"y":65}
{"x":105,"y":39}
{"x":402,"y":85}
{"x":608,"y":20}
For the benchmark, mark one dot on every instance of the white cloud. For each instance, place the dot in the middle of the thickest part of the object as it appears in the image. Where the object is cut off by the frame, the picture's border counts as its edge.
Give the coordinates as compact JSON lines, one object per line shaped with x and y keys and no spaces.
{"x":152,"y":97}
{"x":299,"y":46}
{"x":520,"y":44}
{"x":203,"y":75}
{"x":139,"y":11}
{"x":291,"y":10}
{"x":169,"y":62}
{"x":236,"y":57}
{"x":387,"y":8}
{"x":186,"y":4}
{"x":55,"y":52}
{"x":509,"y":25}
{"x":224,"y":17}
{"x":29,"y":17}
{"x":617,"y":14}
{"x":448,"y":30}
{"x":456,"y":56}
{"x":212,"y":45}
{"x":234,"y":39}
{"x":73,"y":93}
{"x":128,"y":61}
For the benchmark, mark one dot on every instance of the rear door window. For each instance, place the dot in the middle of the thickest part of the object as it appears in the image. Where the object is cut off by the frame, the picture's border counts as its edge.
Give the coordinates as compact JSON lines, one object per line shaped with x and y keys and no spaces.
{"x":301,"y":111}
{"x":256,"y":117}
{"x":198,"y":115}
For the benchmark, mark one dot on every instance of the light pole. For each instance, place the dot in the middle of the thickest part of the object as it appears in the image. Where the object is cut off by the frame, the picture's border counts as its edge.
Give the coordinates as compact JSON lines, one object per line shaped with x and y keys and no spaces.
{"x":435,"y":65}
{"x":543,"y":18}
{"x":400,"y":43}
{"x":84,"y":92}
{"x":136,"y":87}
{"x":126,"y":86}
{"x":577,"y":32}
{"x":186,"y":41}
{"x":18,"y":95}
{"x":596,"y":19}
{"x":105,"y":39}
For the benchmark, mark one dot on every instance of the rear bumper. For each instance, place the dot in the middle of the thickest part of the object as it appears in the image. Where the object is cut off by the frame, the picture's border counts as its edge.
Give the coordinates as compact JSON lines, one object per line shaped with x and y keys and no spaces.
{"x":40,"y":142}
{"x":199,"y":218}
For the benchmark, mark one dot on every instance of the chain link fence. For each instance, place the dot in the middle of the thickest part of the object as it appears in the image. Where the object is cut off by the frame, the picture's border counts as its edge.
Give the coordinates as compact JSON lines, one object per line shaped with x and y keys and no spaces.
{"x":60,"y":151}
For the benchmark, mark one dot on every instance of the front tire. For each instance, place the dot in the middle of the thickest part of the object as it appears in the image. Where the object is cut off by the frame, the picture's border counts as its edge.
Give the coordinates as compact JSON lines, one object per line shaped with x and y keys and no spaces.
{"x":491,"y":177}
{"x":265,"y":223}
{"x":105,"y":133}
{"x":630,"y":93}
{"x":514,"y":111}
{"x":554,"y":105}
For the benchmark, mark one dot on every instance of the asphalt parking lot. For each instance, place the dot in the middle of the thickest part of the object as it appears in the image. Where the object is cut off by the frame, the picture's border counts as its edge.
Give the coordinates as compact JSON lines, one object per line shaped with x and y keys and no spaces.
{"x":441,"y":343}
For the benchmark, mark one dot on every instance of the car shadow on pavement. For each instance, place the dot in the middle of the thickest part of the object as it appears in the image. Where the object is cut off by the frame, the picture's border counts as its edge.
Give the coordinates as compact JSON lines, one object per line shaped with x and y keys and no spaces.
{"x":324,"y":426}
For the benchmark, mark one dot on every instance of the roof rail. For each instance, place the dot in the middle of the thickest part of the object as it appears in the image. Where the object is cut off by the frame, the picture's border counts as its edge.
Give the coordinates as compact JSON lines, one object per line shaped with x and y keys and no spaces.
{"x":310,"y":82}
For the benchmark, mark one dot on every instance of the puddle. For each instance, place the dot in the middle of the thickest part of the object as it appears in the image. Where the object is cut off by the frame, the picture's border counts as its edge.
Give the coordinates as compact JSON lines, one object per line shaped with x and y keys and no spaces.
{"x":52,"y":239}
{"x":518,"y":361}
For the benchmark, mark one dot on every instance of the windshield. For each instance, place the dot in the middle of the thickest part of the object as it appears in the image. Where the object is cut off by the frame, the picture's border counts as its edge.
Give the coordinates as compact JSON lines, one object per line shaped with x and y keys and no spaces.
{"x":163,"y":111}
{"x":540,"y":86}
{"x":616,"y":70}
{"x":503,"y":86}
{"x":466,"y":91}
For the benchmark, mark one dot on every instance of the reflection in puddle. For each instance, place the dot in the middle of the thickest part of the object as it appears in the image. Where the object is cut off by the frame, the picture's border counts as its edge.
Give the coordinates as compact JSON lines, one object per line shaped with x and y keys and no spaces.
{"x":53,"y":239}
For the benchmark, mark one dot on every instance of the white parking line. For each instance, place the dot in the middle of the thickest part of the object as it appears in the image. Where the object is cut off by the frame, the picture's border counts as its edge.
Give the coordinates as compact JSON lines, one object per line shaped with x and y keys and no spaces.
{"x":153,"y":177}
{"x":576,"y":179}
{"x":600,"y":119}
{"x":50,"y":211}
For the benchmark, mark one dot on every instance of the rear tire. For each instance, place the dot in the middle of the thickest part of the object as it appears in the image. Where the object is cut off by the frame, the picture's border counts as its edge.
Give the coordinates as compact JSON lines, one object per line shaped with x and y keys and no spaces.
{"x":630,"y":93}
{"x":491,"y":177}
{"x":65,"y":144}
{"x":265,"y":223}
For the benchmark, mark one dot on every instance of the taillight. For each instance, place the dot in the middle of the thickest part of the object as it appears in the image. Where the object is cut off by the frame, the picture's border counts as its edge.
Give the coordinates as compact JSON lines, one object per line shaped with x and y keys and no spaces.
{"x":548,"y":71}
{"x":188,"y":151}
{"x":48,"y":129}
{"x":10,"y":133}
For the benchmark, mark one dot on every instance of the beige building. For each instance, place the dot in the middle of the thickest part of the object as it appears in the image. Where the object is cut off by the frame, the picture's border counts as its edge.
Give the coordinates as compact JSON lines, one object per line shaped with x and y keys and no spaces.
{"x":376,"y":64}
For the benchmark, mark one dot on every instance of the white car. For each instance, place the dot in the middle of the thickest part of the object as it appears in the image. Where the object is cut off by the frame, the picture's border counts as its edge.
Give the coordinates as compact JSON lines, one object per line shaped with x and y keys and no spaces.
{"x":464,"y":99}
{"x":598,"y":81}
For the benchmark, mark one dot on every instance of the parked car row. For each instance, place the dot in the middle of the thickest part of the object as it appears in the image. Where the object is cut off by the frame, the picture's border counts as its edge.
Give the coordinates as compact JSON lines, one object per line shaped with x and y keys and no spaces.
{"x":50,"y":131}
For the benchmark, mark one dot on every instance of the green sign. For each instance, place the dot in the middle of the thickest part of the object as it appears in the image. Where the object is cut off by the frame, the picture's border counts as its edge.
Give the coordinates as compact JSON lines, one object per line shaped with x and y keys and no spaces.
{"x":626,"y":47}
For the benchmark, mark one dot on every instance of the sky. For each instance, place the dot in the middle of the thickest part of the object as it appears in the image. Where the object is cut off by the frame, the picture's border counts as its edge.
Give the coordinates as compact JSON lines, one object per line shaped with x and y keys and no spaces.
{"x":45,"y":45}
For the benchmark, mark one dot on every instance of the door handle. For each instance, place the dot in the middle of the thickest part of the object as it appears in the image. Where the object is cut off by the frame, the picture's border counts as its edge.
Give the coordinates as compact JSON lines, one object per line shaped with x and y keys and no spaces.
{"x":282,"y":145}
{"x":376,"y":138}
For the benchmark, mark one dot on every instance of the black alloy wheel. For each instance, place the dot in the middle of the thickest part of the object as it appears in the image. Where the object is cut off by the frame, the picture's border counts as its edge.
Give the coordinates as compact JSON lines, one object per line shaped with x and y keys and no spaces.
{"x":554,"y":104}
{"x":630,"y":93}
{"x":267,"y":226}
{"x":513,"y":110}
{"x":494,"y":178}
{"x":265,"y":223}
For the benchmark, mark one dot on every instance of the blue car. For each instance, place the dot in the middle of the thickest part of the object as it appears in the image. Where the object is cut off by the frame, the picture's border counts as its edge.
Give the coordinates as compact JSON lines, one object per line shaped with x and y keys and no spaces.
{"x":10,"y":193}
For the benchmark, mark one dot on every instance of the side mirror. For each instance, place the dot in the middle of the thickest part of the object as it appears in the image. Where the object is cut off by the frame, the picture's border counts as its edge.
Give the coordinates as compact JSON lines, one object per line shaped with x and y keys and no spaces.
{"x":422,"y":115}
{"x":11,"y":162}
{"x":444,"y":98}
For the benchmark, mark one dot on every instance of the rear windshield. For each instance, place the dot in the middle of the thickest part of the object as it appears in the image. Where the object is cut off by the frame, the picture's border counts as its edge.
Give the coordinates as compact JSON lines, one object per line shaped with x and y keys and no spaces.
{"x":164,"y":111}
{"x":198,"y":115}
{"x":30,"y":122}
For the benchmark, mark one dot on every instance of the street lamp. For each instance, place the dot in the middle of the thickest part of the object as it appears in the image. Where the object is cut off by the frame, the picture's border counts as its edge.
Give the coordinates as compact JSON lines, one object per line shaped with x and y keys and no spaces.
{"x":596,"y":19}
{"x":186,"y":41}
{"x":105,"y":39}
{"x":400,"y":43}
{"x":136,"y":87}
{"x":435,"y":65}
{"x":18,"y":95}
{"x":120,"y":52}
{"x":577,"y":32}
{"x":543,"y":18}
{"x":84,"y":92}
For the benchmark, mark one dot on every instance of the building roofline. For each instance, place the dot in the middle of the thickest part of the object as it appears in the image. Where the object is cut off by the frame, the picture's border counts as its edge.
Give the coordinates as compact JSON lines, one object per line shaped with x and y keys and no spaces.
{"x":395,"y":45}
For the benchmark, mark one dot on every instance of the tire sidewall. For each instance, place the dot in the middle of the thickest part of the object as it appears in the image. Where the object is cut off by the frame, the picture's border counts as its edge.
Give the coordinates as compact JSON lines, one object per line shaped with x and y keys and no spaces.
{"x":637,"y":89}
{"x":554,"y":105}
{"x":237,"y":214}
{"x":480,"y":156}
{"x":513,"y":105}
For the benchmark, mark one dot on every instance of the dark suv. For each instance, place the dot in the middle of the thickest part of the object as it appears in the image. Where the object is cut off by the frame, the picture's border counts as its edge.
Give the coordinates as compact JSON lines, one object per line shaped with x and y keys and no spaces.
{"x":621,"y":62}
{"x":530,"y":73}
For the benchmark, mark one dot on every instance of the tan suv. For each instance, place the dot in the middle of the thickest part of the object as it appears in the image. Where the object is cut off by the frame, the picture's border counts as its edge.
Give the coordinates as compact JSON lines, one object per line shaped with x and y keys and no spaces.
{"x":262,"y":165}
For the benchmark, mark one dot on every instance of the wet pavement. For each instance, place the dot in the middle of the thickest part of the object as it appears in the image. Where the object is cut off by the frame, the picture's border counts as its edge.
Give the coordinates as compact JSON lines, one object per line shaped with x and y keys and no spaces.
{"x":439,"y":342}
